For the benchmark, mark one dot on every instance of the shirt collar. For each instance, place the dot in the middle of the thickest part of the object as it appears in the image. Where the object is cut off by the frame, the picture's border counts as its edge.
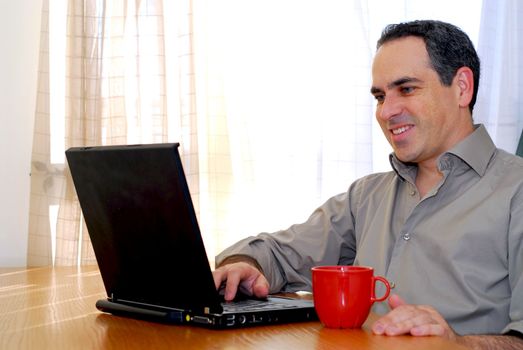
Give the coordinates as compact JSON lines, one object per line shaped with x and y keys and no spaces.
{"x":476,"y":150}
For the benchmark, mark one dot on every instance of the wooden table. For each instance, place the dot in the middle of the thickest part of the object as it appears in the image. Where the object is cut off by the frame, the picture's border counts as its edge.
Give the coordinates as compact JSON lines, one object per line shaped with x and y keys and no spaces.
{"x":54,"y":308}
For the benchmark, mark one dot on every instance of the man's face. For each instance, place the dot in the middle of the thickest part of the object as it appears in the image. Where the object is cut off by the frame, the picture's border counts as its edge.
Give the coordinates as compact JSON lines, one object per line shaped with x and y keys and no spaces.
{"x":418,"y":115}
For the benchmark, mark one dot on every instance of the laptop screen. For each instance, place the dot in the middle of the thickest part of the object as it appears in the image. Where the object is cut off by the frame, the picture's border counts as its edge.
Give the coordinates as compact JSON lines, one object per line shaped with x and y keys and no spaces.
{"x":141,"y":221}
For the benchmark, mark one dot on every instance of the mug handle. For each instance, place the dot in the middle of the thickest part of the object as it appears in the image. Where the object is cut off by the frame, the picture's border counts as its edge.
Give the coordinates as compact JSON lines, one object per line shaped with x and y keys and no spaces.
{"x":373,"y":294}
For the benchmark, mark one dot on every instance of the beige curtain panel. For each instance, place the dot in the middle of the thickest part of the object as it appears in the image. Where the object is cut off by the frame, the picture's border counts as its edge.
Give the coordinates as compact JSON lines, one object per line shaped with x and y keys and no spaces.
{"x":114,"y":94}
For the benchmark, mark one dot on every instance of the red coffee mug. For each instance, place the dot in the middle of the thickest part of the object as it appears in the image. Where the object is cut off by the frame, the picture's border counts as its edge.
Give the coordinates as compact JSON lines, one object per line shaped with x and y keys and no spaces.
{"x":343,"y":295}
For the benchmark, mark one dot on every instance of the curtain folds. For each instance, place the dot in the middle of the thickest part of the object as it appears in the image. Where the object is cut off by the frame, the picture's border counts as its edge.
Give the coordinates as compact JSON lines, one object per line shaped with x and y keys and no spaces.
{"x":229,"y":91}
{"x":500,"y":106}
{"x":269,"y":101}
{"x":114,"y":93}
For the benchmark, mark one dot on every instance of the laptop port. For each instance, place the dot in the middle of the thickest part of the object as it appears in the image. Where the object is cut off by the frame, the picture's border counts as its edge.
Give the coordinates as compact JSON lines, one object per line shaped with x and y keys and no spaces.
{"x":230,"y":320}
{"x":202,"y":319}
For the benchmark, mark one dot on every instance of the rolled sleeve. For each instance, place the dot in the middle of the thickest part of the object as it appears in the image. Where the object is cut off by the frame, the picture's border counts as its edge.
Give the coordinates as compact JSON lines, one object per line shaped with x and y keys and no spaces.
{"x":287,"y":256}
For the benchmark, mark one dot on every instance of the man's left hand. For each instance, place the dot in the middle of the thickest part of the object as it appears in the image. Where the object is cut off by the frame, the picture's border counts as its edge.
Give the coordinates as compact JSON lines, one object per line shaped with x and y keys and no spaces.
{"x":417,"y":320}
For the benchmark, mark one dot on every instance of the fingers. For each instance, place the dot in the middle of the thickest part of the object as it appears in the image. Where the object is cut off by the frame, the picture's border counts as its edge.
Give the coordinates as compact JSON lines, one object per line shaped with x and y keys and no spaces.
{"x":428,"y":329}
{"x":417,"y":320}
{"x":403,"y":322}
{"x":241,"y":275}
{"x":231,"y":275}
{"x":219,"y":276}
{"x":261,"y":287}
{"x":232,"y":282}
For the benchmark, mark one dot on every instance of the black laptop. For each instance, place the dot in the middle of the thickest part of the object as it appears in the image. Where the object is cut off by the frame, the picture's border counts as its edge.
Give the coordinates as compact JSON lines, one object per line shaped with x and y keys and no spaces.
{"x":143,"y":228}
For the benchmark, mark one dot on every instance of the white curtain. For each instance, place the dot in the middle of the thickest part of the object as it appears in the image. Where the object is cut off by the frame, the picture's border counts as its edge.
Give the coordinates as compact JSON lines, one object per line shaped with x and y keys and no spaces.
{"x":285,"y":85}
{"x":269,"y":100}
{"x":292,"y":80}
{"x":104,"y":84}
{"x":500,"y":102}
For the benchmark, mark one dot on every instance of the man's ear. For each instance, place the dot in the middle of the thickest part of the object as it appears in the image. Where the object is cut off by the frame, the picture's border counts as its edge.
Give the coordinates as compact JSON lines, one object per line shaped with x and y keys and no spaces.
{"x":464,"y":79}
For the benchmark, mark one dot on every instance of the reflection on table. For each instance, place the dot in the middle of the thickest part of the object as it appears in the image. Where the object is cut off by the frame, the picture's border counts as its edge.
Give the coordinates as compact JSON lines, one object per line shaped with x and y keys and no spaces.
{"x":54,"y":308}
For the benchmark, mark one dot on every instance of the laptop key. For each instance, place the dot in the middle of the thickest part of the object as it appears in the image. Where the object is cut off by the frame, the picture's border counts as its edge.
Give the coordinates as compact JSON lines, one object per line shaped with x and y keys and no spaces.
{"x":254,"y":305}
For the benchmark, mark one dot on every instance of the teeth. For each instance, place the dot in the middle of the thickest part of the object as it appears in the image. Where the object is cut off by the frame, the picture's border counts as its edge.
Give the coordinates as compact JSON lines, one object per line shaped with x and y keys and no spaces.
{"x":400,"y":130}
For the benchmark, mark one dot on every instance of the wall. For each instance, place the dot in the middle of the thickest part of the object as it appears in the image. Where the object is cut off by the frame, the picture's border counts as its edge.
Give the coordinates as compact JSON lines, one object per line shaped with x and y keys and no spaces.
{"x":19,"y":44}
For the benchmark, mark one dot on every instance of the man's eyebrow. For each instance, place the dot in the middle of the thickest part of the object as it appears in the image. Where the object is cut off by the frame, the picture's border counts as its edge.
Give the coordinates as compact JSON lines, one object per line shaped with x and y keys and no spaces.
{"x":374,"y":90}
{"x":395,"y":83}
{"x":403,"y":80}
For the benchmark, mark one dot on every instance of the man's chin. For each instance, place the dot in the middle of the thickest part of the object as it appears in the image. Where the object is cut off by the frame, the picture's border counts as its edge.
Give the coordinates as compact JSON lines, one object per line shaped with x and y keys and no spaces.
{"x":405,"y":157}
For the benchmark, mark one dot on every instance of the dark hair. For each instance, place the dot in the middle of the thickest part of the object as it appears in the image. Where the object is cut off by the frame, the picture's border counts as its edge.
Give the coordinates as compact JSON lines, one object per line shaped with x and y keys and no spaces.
{"x":448,"y":47}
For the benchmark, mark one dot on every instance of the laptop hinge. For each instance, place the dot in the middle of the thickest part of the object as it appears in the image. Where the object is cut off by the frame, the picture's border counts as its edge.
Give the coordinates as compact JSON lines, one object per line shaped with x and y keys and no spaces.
{"x":147,"y":305}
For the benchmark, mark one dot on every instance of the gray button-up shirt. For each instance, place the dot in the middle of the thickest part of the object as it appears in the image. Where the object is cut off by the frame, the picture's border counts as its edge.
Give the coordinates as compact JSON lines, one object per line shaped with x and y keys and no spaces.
{"x":458,"y":249}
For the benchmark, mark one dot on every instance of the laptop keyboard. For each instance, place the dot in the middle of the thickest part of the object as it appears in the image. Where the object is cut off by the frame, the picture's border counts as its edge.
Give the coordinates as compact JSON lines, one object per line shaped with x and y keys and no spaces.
{"x":254,"y":305}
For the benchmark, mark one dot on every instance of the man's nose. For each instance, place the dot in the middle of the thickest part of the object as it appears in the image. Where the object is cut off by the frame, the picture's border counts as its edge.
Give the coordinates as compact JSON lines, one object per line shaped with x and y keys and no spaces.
{"x":390,"y":107}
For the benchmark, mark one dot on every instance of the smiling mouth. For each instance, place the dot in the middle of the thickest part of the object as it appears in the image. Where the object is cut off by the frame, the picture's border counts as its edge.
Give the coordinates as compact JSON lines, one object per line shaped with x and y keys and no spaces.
{"x":401,"y":130}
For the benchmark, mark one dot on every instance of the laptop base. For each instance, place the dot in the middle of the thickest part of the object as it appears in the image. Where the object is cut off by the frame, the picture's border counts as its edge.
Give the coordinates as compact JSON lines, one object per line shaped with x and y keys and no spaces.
{"x":213,"y":321}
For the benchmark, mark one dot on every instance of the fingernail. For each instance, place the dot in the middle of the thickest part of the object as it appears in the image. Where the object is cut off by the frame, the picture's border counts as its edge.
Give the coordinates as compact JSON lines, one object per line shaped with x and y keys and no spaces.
{"x":378,"y":328}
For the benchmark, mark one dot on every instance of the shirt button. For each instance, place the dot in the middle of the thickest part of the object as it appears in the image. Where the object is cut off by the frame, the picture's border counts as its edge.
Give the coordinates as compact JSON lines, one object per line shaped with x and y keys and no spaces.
{"x":412,"y":192}
{"x":406,"y":236}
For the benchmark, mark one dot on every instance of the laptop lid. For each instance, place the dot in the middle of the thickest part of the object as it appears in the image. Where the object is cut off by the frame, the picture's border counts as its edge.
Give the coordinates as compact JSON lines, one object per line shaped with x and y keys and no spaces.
{"x":143,"y":228}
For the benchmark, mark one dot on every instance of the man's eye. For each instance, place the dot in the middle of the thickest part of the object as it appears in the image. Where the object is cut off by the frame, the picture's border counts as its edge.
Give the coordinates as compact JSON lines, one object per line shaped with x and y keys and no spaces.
{"x":407,"y":89}
{"x":379,"y":98}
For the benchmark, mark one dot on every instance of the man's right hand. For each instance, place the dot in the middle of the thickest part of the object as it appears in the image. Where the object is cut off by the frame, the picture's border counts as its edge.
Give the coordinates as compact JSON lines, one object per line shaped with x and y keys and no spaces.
{"x":243,"y":276}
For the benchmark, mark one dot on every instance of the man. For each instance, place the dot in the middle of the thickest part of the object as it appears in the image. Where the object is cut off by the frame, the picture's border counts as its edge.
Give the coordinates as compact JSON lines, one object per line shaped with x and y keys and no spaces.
{"x":445,"y":226}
